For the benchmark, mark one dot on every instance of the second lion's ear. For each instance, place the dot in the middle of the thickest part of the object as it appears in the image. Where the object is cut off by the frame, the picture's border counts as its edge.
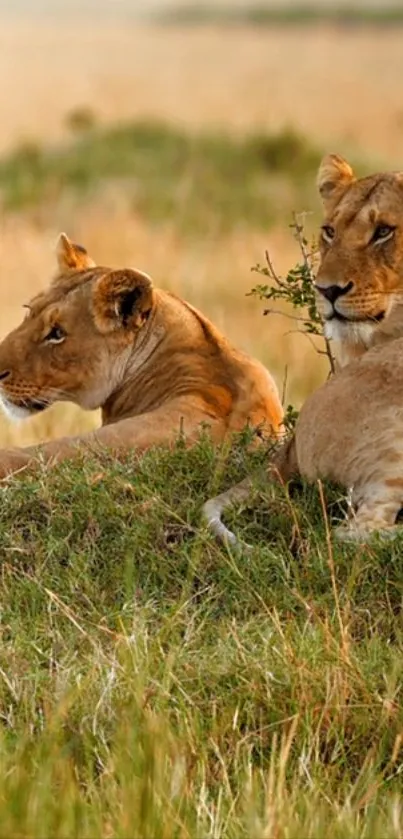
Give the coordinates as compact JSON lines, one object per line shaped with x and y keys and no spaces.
{"x":122,"y":299}
{"x":71,"y":257}
{"x":334,"y":177}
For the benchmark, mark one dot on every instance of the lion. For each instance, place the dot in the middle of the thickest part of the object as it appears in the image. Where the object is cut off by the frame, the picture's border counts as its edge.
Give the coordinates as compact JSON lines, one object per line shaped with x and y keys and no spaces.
{"x":350,"y":430}
{"x":157,"y":368}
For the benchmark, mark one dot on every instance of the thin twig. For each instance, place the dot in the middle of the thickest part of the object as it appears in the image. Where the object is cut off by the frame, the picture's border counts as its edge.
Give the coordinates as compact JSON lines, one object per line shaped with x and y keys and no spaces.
{"x":307,"y":256}
{"x":330,"y":356}
{"x":285,"y":314}
{"x":285,"y":382}
{"x":272,"y":271}
{"x":306,"y":335}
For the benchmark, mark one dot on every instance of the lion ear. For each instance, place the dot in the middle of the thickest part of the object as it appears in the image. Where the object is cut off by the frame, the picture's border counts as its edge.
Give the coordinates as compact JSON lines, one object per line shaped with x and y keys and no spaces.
{"x":71,"y":257}
{"x":122,"y":299}
{"x":334,"y":176}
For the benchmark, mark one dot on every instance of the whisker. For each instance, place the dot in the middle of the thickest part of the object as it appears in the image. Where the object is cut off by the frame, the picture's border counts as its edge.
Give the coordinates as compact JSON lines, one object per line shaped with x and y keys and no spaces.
{"x":56,"y":393}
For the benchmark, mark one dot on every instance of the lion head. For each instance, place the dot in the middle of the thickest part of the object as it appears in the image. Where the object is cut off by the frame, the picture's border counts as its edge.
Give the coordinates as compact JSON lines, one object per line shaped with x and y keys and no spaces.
{"x":79,"y":337}
{"x":360,"y":279}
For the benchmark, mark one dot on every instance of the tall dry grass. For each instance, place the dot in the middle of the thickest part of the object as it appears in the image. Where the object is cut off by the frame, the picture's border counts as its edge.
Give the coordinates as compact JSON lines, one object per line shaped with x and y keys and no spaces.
{"x":341,"y":87}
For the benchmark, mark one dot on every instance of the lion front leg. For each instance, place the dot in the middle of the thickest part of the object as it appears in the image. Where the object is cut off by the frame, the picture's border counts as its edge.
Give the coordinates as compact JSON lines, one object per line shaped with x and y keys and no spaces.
{"x":16,"y":462}
{"x":13,"y":462}
{"x":160,"y":427}
{"x":374,"y":514}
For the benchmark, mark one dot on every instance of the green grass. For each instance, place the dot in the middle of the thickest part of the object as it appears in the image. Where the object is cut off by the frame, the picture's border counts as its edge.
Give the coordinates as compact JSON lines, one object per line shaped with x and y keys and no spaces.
{"x":207,"y":182}
{"x":292,"y":14}
{"x":152,"y":684}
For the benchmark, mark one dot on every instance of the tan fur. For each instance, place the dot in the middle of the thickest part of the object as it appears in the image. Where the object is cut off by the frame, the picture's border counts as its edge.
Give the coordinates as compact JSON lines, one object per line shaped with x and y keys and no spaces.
{"x":108,"y":339}
{"x":351,"y":429}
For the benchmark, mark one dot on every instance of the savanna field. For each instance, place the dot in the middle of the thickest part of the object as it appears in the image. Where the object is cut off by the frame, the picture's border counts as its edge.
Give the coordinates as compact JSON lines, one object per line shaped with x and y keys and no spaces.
{"x":153,"y":683}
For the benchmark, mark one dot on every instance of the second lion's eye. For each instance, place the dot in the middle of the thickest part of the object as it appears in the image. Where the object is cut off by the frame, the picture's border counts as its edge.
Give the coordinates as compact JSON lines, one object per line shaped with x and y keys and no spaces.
{"x":328,"y":232}
{"x":382,"y":233}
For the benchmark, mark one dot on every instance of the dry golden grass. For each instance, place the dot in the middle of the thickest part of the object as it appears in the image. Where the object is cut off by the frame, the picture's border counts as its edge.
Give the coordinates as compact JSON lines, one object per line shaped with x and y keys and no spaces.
{"x":341,"y":87}
{"x":324,"y":82}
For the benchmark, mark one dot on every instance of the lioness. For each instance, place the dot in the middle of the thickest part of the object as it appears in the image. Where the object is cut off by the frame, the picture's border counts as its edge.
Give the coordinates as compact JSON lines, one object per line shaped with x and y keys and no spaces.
{"x":105,"y":338}
{"x":351,"y":429}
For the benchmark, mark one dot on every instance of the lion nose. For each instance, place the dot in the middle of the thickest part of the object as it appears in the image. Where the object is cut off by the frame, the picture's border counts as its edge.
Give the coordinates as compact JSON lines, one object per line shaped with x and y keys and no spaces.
{"x":333,"y":292}
{"x":4,"y":374}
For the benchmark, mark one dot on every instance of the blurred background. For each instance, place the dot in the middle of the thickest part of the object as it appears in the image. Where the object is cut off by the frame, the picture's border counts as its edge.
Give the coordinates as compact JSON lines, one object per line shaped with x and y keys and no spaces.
{"x":180,"y":138}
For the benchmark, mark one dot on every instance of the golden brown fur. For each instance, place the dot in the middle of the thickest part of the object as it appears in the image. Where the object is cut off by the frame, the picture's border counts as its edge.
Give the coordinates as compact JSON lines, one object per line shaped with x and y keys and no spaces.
{"x":108,"y":339}
{"x":361,"y":247}
{"x":351,"y":429}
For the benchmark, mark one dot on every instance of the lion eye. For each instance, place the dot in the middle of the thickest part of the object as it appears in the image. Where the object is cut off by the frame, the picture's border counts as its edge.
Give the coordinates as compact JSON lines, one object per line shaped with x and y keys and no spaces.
{"x":382,"y":233}
{"x":328,"y":232}
{"x":55,"y":336}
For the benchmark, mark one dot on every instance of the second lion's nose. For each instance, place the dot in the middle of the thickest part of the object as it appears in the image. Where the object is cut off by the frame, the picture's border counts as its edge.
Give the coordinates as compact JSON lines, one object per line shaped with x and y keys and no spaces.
{"x":333,"y":292}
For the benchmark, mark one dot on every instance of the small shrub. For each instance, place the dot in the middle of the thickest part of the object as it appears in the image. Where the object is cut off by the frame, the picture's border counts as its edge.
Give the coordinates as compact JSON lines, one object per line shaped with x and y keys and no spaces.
{"x":80,"y":119}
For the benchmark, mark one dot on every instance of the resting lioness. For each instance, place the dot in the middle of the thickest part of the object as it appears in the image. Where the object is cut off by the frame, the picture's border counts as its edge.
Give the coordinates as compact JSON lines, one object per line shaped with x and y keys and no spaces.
{"x":157,"y":367}
{"x":351,"y":429}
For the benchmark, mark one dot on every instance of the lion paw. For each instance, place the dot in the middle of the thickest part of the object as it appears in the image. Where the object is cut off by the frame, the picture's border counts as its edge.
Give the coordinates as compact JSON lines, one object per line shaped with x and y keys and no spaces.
{"x":361,"y":534}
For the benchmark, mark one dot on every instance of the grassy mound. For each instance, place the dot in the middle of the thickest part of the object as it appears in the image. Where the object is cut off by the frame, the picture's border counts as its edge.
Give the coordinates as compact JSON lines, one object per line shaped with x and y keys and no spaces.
{"x":154,"y":684}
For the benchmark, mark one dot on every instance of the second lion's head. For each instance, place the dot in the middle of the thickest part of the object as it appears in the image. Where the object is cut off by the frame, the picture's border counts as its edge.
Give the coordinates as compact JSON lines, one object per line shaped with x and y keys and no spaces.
{"x":360,"y":279}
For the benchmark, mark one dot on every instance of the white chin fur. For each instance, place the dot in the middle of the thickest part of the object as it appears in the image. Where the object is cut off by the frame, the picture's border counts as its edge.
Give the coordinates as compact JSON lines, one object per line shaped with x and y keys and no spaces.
{"x":357,"y":333}
{"x":13,"y":412}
